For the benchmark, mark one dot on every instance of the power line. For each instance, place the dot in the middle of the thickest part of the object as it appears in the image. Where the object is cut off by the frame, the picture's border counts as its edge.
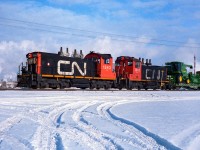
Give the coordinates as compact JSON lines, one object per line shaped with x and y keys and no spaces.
{"x":103,"y":33}
{"x":92,"y":37}
{"x":84,"y":35}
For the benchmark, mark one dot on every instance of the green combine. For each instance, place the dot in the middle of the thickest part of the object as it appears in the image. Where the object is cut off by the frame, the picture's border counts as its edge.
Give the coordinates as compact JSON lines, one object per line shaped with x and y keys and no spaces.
{"x":179,"y":76}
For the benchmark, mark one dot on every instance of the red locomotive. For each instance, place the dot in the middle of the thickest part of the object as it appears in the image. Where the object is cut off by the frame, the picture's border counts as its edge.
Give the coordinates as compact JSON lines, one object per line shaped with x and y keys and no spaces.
{"x":134,"y":73}
{"x":95,"y":70}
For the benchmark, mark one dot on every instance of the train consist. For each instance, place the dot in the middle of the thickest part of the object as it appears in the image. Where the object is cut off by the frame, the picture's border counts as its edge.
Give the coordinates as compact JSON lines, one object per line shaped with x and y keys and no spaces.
{"x":95,"y":71}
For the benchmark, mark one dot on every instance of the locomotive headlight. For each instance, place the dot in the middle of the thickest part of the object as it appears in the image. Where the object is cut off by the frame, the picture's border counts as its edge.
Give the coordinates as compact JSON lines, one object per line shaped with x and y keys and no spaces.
{"x":48,"y":64}
{"x":29,"y":55}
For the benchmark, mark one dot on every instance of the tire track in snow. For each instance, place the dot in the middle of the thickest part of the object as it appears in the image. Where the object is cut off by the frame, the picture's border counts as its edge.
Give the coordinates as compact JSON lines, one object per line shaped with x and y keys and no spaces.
{"x":9,"y":123}
{"x":105,"y":110}
{"x":75,"y":132}
{"x":24,"y":114}
{"x":112,"y":137}
{"x":188,"y":138}
{"x":93,"y":132}
{"x":23,"y":144}
{"x":76,"y":128}
{"x":135,"y":137}
{"x":46,"y":136}
{"x":145,"y":143}
{"x":115,"y":138}
{"x":5,"y":126}
{"x":56,"y":133}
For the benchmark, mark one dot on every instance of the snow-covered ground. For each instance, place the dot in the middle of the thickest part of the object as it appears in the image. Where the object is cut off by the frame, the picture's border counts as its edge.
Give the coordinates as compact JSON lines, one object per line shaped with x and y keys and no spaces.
{"x":99,"y":120}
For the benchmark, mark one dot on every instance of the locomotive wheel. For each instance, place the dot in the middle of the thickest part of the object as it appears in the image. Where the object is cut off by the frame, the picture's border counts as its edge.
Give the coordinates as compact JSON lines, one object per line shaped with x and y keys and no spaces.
{"x":155,"y":88}
{"x":92,"y":86}
{"x":174,"y":87}
{"x":58,"y":86}
{"x":61,"y":86}
{"x":169,"y":87}
{"x":67,"y":85}
{"x":105,"y":87}
{"x":38,"y":86}
{"x":34,"y":87}
{"x":130,"y":88}
{"x":146,"y":87}
{"x":46,"y":85}
{"x":97,"y":87}
{"x":120,"y":87}
{"x":163,"y":87}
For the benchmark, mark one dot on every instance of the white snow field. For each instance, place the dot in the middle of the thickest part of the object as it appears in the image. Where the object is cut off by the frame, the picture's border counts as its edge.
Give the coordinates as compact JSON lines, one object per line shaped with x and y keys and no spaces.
{"x":84,"y":120}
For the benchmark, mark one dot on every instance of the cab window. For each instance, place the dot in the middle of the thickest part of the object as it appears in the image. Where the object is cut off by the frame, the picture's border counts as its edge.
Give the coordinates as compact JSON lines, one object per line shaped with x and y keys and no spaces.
{"x":130,"y":63}
{"x":117,"y":64}
{"x":107,"y":61}
{"x":137,"y":65}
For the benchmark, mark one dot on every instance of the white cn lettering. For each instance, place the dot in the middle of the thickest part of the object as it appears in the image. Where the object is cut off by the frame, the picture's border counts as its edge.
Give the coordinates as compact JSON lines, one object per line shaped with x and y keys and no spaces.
{"x":72,"y":68}
{"x":153,"y":74}
{"x":147,"y":70}
{"x":158,"y":77}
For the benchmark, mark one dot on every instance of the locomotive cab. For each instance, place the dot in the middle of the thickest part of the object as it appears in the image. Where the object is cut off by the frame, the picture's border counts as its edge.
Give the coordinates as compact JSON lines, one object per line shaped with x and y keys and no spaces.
{"x":104,"y":65}
{"x":128,"y":67}
{"x":128,"y":72}
{"x":34,"y":62}
{"x":28,"y":74}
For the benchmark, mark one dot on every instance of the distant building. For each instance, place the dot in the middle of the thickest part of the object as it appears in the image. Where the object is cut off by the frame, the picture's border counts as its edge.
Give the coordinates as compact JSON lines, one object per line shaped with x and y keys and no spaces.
{"x":7,"y":85}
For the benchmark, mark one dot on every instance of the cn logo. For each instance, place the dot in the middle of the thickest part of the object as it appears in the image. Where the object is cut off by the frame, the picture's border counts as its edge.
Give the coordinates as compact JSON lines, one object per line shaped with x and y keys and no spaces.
{"x":74,"y":64}
{"x":151,"y":74}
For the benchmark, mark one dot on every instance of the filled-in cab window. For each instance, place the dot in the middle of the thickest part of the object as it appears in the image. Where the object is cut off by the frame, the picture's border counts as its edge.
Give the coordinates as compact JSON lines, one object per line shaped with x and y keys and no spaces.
{"x":137,"y":65}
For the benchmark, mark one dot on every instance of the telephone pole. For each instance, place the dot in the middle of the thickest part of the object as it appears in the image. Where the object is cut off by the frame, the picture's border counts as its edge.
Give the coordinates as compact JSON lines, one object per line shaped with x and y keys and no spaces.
{"x":194,"y":64}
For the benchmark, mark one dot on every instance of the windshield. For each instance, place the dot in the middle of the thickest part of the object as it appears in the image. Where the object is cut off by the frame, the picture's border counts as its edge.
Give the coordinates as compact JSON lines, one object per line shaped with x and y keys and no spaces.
{"x":176,"y":67}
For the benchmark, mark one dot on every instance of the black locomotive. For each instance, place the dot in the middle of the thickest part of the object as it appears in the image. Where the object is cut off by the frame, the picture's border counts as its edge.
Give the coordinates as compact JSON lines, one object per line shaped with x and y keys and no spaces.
{"x":49,"y":70}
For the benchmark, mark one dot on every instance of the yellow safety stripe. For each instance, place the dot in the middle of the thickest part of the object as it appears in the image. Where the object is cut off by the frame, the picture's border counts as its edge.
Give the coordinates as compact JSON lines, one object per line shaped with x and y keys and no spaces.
{"x":76,"y":77}
{"x":155,"y":81}
{"x":147,"y":80}
{"x":90,"y":78}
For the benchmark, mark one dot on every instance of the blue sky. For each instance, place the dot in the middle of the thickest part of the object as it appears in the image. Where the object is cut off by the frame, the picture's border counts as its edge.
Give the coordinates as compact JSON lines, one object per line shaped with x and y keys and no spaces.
{"x":163,"y":30}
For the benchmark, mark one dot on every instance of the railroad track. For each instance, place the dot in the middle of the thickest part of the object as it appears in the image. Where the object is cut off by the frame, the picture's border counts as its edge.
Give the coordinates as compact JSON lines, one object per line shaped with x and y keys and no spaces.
{"x":72,"y":89}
